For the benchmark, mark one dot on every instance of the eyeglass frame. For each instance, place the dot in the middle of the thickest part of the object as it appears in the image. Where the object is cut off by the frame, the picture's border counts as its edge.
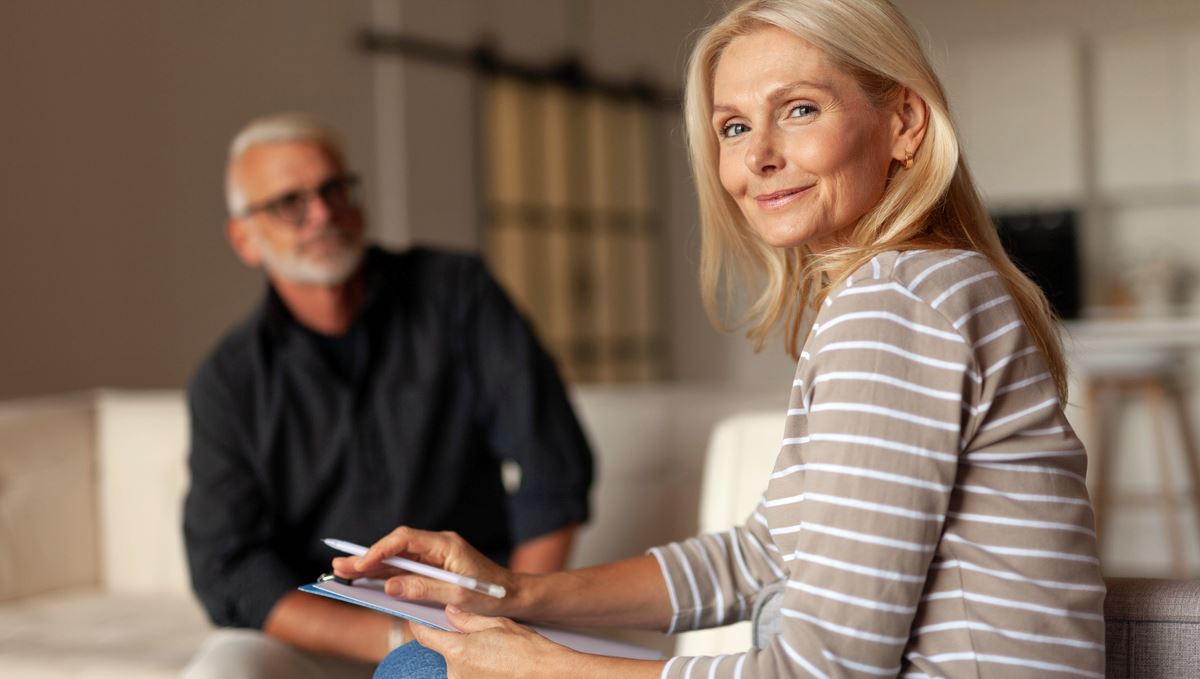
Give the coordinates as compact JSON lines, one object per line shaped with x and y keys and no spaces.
{"x":345,"y":181}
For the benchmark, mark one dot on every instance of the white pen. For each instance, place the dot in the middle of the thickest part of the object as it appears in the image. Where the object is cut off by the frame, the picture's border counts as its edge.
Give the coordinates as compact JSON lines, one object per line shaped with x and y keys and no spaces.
{"x":423,"y":569}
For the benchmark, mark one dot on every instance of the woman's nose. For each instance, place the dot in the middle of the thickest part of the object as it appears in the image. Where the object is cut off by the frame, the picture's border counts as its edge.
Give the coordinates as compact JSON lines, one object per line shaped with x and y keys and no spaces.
{"x":762,"y":156}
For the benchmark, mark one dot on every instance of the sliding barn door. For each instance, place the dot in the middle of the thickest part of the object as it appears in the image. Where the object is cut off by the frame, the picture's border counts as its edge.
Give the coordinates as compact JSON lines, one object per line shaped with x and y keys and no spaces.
{"x":573,"y":223}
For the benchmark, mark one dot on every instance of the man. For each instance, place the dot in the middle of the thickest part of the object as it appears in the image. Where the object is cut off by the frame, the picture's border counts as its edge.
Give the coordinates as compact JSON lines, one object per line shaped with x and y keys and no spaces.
{"x":369,"y":390}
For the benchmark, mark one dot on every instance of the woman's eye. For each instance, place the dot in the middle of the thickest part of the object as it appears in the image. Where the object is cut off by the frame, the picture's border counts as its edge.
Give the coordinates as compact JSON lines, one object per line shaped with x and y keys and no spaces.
{"x":801,"y":111}
{"x":733,"y":130}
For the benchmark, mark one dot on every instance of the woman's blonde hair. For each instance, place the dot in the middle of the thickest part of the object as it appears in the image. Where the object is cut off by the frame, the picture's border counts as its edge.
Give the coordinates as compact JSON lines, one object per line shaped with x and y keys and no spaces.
{"x":932,"y":205}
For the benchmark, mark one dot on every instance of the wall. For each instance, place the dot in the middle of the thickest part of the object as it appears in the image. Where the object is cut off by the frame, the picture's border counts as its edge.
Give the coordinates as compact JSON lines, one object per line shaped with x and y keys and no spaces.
{"x":1062,"y":107}
{"x":116,"y":117}
{"x":425,"y":113}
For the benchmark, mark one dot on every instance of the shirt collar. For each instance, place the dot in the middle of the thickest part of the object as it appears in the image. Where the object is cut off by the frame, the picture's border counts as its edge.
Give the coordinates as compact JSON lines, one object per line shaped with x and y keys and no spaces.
{"x":280,"y":321}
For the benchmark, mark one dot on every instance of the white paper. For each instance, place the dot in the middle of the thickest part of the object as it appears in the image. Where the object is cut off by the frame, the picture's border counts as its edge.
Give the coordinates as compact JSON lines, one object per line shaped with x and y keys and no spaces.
{"x":370,"y":593}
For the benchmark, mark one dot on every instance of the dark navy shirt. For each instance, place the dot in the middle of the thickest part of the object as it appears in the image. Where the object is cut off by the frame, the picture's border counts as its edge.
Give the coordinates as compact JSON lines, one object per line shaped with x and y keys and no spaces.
{"x":404,"y":420}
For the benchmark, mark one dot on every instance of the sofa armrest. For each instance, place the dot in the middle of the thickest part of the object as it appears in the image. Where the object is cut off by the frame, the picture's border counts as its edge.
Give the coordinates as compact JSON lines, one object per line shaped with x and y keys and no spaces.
{"x":48,"y":526}
{"x":141,"y":457}
{"x":1152,"y":628}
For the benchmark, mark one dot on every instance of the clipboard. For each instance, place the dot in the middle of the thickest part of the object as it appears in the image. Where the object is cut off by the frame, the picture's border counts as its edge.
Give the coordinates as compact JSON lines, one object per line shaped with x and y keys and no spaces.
{"x":369,"y":593}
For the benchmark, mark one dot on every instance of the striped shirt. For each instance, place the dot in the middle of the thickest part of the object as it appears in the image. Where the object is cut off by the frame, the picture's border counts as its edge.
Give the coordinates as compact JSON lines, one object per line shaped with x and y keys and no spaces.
{"x":927,"y":511}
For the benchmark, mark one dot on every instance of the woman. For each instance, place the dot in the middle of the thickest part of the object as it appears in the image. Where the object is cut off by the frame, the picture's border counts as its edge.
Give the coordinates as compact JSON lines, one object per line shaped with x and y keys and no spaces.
{"x":927,"y":514}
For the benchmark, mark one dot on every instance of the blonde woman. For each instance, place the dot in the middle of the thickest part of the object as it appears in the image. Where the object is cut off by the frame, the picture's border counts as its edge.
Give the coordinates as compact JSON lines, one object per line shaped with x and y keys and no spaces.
{"x":927,"y":515}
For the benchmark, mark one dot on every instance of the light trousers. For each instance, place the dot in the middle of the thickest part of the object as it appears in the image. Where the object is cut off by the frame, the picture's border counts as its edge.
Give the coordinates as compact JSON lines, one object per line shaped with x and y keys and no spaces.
{"x":250,"y":654}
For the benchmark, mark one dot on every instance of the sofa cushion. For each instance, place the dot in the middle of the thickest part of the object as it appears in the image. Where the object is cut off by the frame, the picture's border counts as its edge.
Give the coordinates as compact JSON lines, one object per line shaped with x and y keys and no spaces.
{"x":87,"y":632}
{"x":47,"y":496}
{"x":141,"y":456}
{"x":649,"y":442}
{"x":741,"y":454}
{"x":1152,"y":628}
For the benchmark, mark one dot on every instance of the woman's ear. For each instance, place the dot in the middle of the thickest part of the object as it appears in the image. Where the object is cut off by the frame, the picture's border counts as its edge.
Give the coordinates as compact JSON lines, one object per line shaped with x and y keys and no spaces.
{"x":911,"y":118}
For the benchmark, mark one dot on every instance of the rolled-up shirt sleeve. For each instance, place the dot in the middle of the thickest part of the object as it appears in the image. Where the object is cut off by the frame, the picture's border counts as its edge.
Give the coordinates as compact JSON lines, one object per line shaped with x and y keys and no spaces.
{"x":714,"y":579}
{"x":525,"y":412}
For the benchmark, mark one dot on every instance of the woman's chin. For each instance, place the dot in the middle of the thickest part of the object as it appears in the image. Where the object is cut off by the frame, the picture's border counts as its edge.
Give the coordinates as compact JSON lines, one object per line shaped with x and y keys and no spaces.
{"x":784,"y":237}
{"x":792,"y":235}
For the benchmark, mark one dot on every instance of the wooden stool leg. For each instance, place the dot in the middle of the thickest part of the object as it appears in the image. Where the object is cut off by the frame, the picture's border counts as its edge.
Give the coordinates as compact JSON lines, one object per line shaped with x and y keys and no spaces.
{"x":1158,"y":404}
{"x":1191,"y":454}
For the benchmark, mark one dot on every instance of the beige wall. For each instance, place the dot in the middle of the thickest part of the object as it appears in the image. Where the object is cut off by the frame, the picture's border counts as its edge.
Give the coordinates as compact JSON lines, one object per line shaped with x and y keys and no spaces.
{"x":424,"y":112}
{"x":948,"y":20}
{"x":1088,"y":104}
{"x":115,"y":118}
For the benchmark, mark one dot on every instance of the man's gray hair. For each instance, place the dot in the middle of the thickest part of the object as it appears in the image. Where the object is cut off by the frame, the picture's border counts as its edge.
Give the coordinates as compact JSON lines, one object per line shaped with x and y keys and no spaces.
{"x":273,"y":129}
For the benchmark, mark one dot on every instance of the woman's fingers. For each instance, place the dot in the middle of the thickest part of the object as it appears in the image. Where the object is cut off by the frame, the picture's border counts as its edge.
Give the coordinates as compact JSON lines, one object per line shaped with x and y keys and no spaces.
{"x":443,"y":641}
{"x":491,"y":647}
{"x":435,"y":639}
{"x":470,"y":622}
{"x":343,"y":567}
{"x":444,"y":550}
{"x":408,"y":542}
{"x":420,"y":588}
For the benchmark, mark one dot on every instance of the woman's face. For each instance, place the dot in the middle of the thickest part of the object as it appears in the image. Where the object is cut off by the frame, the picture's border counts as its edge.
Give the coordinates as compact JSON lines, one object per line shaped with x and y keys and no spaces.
{"x":803,"y":152}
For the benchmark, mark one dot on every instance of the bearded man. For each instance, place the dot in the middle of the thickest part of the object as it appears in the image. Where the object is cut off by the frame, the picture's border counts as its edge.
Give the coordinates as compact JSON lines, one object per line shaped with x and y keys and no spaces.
{"x":370,"y":389}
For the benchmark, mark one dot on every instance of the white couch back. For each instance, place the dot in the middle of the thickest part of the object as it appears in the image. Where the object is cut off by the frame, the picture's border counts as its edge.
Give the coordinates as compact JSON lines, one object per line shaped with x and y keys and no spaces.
{"x":117,"y":462}
{"x":47,"y":496}
{"x":650,"y":444}
{"x":91,"y":492}
{"x":741,"y":455}
{"x":141,"y":451}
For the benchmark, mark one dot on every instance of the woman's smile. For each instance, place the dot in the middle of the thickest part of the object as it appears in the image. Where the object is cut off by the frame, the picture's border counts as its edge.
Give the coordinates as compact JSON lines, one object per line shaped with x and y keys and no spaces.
{"x":779,"y":199}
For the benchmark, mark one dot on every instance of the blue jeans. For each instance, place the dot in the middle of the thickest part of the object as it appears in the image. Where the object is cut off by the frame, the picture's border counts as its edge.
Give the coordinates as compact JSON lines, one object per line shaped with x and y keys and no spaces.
{"x":411,"y":661}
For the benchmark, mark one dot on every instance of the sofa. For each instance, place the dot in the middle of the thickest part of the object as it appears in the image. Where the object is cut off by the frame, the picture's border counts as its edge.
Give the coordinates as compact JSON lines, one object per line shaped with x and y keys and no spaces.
{"x":93,"y":579}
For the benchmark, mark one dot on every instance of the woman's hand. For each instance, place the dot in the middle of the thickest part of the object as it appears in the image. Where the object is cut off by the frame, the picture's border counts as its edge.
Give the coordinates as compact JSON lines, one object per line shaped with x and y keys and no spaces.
{"x":494,"y":647}
{"x":629,"y":593}
{"x":445,"y":550}
{"x":498,"y":648}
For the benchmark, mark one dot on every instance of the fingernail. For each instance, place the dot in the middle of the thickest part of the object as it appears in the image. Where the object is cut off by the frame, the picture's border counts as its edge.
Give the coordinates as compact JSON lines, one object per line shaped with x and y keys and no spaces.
{"x":358,"y":564}
{"x":451,"y":608}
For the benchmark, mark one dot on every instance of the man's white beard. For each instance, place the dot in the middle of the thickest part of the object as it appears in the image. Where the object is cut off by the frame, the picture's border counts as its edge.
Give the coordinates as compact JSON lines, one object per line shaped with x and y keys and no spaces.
{"x":295,"y":267}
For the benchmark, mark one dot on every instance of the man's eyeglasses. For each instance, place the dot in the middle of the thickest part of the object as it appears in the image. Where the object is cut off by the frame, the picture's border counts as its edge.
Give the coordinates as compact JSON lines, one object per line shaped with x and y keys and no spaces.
{"x":338,"y":193}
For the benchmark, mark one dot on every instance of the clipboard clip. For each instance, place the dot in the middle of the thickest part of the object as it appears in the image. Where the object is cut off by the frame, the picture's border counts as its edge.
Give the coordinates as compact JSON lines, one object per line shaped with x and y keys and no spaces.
{"x":330,"y":577}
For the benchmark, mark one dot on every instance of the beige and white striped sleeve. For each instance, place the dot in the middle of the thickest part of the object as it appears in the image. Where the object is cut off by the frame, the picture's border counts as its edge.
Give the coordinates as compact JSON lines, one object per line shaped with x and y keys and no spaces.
{"x":715,"y":577}
{"x":853,"y":513}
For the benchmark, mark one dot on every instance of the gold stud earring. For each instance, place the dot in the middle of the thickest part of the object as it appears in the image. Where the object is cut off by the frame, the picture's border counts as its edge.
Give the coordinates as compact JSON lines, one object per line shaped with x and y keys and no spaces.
{"x":908,"y":160}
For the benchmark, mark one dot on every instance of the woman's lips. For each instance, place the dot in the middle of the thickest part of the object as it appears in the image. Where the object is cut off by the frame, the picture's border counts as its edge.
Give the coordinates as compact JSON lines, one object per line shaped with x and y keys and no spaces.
{"x":777,"y":199}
